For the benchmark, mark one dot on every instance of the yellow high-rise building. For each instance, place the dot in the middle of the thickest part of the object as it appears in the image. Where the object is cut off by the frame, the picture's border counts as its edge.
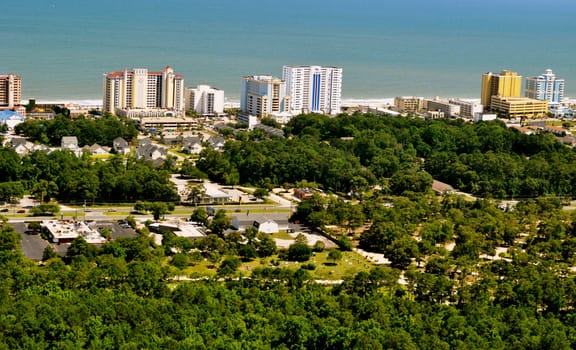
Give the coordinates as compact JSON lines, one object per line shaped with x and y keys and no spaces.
{"x":505,"y":84}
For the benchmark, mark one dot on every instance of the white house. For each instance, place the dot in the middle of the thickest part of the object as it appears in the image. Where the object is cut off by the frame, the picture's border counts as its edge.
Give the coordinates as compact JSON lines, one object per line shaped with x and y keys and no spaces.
{"x":217,"y":142}
{"x":21,"y":145}
{"x":69,"y":142}
{"x":266,"y":226}
{"x":192,"y":145}
{"x":151,"y":152}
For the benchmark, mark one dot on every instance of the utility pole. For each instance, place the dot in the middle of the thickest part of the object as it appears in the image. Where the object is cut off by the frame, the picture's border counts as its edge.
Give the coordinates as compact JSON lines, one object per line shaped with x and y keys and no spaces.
{"x":84,"y":206}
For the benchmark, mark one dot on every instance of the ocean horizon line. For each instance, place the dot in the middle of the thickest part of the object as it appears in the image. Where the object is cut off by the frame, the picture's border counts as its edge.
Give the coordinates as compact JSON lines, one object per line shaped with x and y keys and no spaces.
{"x":346,"y":102}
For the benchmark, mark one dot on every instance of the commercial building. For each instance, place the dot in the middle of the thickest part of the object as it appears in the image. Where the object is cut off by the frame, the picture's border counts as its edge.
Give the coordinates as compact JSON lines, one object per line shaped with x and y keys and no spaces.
{"x":65,"y":231}
{"x":405,"y":104}
{"x":519,"y":107}
{"x":262,"y":96}
{"x":467,"y":108}
{"x":446,"y":108}
{"x":505,"y":84}
{"x":143,"y":90}
{"x":545,"y":87}
{"x":315,"y":89}
{"x":10,"y":91}
{"x":205,"y":100}
{"x":179,"y":228}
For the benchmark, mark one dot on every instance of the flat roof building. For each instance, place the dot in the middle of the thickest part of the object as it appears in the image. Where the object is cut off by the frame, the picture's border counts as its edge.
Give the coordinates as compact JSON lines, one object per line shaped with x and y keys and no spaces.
{"x":467,"y":108}
{"x":519,"y":107}
{"x":263,"y":95}
{"x":408,"y":104}
{"x":313,"y":89}
{"x":446,"y":108}
{"x":179,"y":228}
{"x":141,"y":89}
{"x":64,"y":231}
{"x":205,"y":100}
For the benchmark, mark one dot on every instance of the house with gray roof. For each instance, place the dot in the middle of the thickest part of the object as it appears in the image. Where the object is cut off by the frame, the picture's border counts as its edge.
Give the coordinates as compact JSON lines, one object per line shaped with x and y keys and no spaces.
{"x":121,"y":146}
{"x":151,"y":152}
{"x":98,"y":150}
{"x":192,"y":145}
{"x":21,"y":146}
{"x":216,"y":142}
{"x":69,"y":142}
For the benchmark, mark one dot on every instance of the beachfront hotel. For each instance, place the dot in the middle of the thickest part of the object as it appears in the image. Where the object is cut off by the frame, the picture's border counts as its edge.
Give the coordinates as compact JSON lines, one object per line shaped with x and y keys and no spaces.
{"x":263,"y":96}
{"x":10,"y":91}
{"x":519,"y":107}
{"x":408,"y":104}
{"x":505,"y":84}
{"x":315,"y":89}
{"x":140,"y":90}
{"x":205,"y":100}
{"x":545,"y":87}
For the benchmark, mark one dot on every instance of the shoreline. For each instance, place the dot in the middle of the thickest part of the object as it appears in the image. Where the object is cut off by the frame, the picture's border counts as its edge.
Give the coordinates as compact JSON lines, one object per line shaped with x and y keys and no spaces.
{"x":346,"y":102}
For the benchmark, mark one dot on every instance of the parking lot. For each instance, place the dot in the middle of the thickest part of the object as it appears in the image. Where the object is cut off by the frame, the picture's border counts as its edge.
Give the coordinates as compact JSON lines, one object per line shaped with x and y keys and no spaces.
{"x":33,"y":245}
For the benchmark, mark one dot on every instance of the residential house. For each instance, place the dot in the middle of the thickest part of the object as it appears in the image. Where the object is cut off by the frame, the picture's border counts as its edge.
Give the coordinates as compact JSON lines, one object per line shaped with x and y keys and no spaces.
{"x":557,"y":130}
{"x":97,"y":150}
{"x":21,"y":146}
{"x":41,"y":148}
{"x":192,"y":145}
{"x":69,"y":142}
{"x":172,"y":140}
{"x":270,"y":130}
{"x":262,"y":223}
{"x":441,"y":188}
{"x":216,"y":142}
{"x":121,"y":146}
{"x":266,"y":225}
{"x":144,"y":142}
{"x":151,"y":152}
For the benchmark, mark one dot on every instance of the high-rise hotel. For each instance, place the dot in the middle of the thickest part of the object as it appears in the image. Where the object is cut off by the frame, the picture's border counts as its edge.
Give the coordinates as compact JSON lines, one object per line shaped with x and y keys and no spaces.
{"x":263,"y":96}
{"x":141,"y":89}
{"x":10,"y":91}
{"x":505,"y":84}
{"x":501,"y":95}
{"x":314,"y":89}
{"x":545,"y":87}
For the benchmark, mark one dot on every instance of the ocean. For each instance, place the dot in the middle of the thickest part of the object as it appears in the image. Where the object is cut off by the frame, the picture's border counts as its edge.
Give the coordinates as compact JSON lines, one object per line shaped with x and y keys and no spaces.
{"x":62,"y":48}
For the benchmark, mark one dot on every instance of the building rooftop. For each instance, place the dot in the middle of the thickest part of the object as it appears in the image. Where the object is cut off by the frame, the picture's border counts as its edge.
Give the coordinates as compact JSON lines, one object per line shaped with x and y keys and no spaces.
{"x":69,"y":229}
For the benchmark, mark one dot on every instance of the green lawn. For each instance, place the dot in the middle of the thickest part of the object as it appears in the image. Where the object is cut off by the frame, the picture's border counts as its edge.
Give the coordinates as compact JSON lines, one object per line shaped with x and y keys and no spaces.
{"x":350,"y":264}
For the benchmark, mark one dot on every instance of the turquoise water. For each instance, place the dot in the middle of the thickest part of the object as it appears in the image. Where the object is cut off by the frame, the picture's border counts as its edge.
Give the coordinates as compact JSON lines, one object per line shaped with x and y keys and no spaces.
{"x":386,"y":48}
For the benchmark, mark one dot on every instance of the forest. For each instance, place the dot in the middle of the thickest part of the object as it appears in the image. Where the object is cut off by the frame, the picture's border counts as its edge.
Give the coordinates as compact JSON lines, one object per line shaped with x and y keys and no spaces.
{"x":66,"y":177}
{"x":123,"y":295}
{"x":351,"y":153}
{"x":463,"y":273}
{"x":88,"y":130}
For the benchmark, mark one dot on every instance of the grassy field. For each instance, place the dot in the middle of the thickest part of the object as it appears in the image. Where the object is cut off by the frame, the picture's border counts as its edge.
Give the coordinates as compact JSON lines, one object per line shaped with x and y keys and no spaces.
{"x":350,"y":264}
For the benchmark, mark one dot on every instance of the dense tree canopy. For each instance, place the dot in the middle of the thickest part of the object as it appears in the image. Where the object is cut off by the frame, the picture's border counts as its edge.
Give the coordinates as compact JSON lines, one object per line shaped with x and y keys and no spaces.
{"x":446,"y":288}
{"x":63,"y":175}
{"x":485,"y":159}
{"x":120,"y":296}
{"x":88,"y":130}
